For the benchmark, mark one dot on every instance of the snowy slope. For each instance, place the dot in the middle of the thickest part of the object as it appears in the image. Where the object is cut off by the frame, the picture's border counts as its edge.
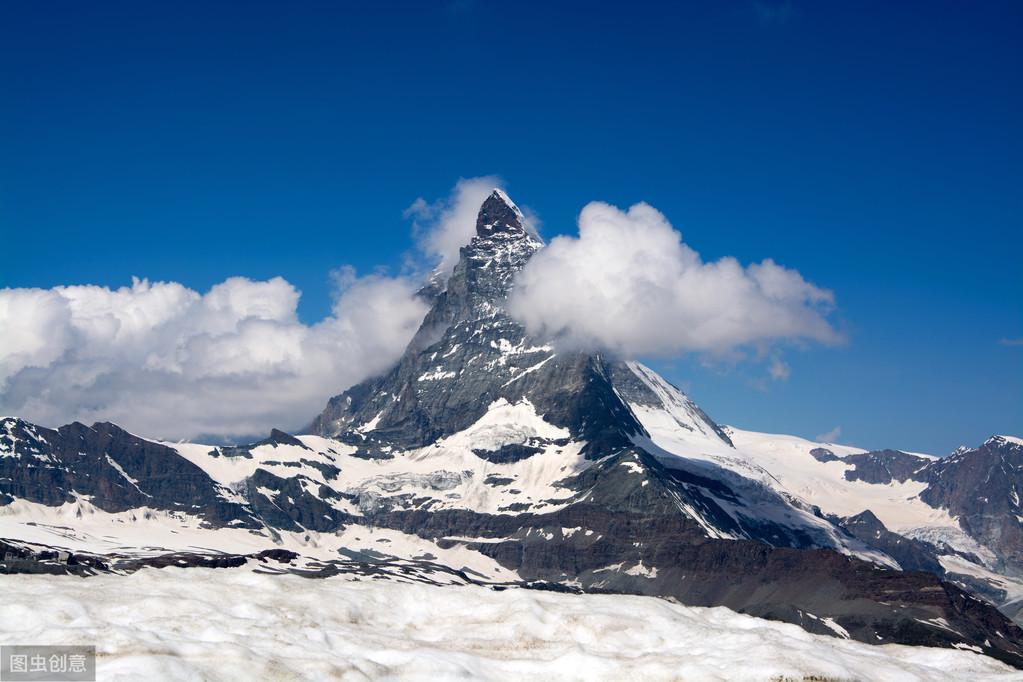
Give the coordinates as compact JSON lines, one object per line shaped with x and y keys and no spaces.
{"x":226,"y":625}
{"x":448,"y":472}
{"x":824,"y":484}
{"x":80,"y":527}
{"x":823,"y":475}
{"x":446,"y":475}
{"x":786,"y":464}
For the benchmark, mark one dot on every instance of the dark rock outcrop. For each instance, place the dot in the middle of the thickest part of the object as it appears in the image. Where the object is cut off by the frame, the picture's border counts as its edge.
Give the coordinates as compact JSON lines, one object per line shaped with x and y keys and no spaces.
{"x":912,"y":555}
{"x":982,"y":487}
{"x":114,"y":469}
{"x":884,"y":466}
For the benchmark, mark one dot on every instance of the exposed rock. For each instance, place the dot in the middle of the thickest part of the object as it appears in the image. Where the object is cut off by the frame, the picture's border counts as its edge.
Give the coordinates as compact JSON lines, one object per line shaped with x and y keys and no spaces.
{"x":982,"y":487}
{"x":912,"y":555}
{"x":884,"y":466}
{"x":115,"y":469}
{"x":824,"y":455}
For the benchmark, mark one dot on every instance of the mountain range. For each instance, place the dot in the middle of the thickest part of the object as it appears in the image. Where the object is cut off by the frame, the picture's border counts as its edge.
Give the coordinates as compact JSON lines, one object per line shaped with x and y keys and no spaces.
{"x":489,"y":456}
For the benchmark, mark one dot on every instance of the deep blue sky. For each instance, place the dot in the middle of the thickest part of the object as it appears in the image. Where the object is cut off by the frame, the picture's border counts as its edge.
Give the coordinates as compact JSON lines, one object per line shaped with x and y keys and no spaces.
{"x":874,"y":146}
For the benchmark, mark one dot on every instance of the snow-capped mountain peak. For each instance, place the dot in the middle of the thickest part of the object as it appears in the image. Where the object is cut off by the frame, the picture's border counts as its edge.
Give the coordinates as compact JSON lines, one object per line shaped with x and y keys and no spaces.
{"x":1004,"y":440}
{"x":499,"y":214}
{"x":488,"y":454}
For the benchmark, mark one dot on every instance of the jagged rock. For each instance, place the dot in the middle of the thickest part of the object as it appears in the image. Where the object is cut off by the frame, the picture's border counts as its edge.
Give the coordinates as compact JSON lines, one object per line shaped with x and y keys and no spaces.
{"x":982,"y":487}
{"x":115,"y":469}
{"x":912,"y":555}
{"x":884,"y":466}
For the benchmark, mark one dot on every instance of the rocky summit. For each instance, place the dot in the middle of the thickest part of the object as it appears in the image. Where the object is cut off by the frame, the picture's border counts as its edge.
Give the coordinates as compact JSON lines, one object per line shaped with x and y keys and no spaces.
{"x":489,"y":456}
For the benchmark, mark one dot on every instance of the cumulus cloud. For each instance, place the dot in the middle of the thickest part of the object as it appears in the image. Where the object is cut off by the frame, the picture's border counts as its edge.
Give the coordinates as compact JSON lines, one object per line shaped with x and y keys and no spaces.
{"x":166,"y":361}
{"x":629,"y":284}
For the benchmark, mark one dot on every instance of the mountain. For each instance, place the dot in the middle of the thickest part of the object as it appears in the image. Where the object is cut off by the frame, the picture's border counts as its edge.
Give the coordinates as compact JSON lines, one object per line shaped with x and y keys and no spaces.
{"x":488,"y":456}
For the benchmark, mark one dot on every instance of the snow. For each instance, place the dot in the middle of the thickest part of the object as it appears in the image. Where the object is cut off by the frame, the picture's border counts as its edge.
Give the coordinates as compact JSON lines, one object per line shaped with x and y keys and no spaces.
{"x":10,"y":447}
{"x":229,"y":471}
{"x":437,"y":374}
{"x":449,"y":472}
{"x":676,"y":409}
{"x":530,"y":369}
{"x":503,"y":424}
{"x":691,"y":643}
{"x":788,"y":458}
{"x":236,"y":624}
{"x":446,"y":471}
{"x":81,"y":527}
{"x":267,"y":493}
{"x":785,"y":464}
{"x":506,"y":199}
{"x":768,"y":501}
{"x":371,"y":424}
{"x":117,"y":467}
{"x":509,"y":352}
{"x":1013,"y":586}
{"x":954,"y":538}
{"x":640,"y":569}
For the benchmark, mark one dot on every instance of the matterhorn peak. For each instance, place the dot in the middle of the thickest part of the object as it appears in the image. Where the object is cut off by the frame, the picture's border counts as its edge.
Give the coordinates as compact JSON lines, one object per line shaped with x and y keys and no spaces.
{"x":499,"y":214}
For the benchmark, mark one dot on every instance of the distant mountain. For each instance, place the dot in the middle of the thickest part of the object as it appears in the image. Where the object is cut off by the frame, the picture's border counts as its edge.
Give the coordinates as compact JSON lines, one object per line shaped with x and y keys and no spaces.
{"x":488,"y":456}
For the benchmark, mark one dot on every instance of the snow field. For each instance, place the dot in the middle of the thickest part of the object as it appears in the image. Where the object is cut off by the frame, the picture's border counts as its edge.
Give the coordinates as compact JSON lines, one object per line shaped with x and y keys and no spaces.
{"x":206,"y":624}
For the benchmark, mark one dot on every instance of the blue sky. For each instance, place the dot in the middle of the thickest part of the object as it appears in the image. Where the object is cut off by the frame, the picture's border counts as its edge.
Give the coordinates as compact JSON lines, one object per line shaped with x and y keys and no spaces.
{"x":874,"y":147}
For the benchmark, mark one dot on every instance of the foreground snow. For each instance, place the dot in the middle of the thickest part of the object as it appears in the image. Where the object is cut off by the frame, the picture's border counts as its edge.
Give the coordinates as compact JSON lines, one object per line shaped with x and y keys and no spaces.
{"x":234,"y":624}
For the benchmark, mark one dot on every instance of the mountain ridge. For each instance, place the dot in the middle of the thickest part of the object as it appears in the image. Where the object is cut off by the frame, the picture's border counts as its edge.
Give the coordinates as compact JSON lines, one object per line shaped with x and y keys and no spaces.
{"x":505,"y":459}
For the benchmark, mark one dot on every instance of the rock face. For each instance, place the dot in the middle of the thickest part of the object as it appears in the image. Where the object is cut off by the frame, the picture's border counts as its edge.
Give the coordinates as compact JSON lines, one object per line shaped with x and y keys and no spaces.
{"x":979,"y":486}
{"x":115,"y":469}
{"x":982,"y":486}
{"x":487,"y":455}
{"x":912,"y":555}
{"x":884,"y":466}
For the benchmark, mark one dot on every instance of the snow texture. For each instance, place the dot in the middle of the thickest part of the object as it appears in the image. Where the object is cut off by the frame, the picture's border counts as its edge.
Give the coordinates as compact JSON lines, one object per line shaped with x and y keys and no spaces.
{"x":207,"y":624}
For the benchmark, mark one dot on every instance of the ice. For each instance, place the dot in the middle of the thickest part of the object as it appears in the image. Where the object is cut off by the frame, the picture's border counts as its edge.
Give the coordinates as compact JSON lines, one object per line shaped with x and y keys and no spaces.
{"x":208,"y":624}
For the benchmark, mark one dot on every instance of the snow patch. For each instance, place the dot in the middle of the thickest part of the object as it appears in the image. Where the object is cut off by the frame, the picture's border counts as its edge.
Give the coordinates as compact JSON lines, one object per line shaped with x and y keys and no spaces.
{"x":505,"y":424}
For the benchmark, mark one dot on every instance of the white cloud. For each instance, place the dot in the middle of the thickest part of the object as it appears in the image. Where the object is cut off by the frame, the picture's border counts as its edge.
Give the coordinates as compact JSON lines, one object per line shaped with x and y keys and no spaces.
{"x":629,"y":284}
{"x":165,"y":361}
{"x":830,"y":436}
